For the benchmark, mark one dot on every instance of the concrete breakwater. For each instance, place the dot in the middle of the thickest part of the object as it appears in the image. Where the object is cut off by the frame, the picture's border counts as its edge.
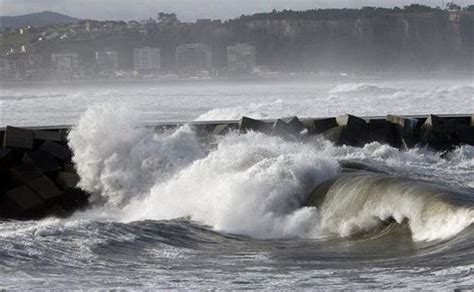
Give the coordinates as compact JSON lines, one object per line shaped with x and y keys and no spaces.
{"x":38,"y":177}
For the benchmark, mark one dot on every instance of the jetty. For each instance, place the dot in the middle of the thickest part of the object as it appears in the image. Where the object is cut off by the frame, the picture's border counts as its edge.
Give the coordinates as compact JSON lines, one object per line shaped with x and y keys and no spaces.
{"x":38,"y":177}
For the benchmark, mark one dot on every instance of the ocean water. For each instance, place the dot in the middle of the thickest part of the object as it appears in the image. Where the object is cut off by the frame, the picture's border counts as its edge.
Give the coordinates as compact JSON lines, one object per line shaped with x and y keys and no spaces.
{"x":59,"y":104}
{"x":173,"y":212}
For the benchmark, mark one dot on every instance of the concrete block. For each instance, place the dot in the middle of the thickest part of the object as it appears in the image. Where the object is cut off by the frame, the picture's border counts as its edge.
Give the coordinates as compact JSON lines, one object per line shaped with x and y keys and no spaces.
{"x":221,"y":130}
{"x":465,"y":135}
{"x":321,"y":125}
{"x":6,"y":158}
{"x":57,"y":211}
{"x":282,"y":128}
{"x":408,"y":129}
{"x":351,"y":121}
{"x":5,"y":164}
{"x":343,"y":135}
{"x":64,"y":133}
{"x":74,"y":199}
{"x":445,"y":133}
{"x":23,"y":198}
{"x":351,"y":131}
{"x":294,"y":123}
{"x":18,"y":138}
{"x":248,"y":124}
{"x":383,"y":132}
{"x":69,"y":167}
{"x":66,"y":180}
{"x":25,"y":173}
{"x":335,"y":135}
{"x":42,"y":160}
{"x":59,"y":151}
{"x":446,"y":124}
{"x":55,"y":136}
{"x":44,"y":187}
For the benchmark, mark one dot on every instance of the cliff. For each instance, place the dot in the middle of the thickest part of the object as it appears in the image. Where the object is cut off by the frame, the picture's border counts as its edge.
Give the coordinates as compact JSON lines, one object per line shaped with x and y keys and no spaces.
{"x":416,"y":38}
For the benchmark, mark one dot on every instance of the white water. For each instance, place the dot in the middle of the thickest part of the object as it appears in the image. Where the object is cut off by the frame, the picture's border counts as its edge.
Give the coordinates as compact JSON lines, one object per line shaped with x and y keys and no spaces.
{"x":63,"y":104}
{"x":251,"y":184}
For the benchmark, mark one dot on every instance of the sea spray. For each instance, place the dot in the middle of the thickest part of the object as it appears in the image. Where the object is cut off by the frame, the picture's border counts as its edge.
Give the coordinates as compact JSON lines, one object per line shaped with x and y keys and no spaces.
{"x":251,"y":184}
{"x":117,"y":160}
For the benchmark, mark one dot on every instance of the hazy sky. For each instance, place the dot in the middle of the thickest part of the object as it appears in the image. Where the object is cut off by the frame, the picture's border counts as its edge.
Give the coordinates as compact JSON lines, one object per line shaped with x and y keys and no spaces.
{"x":188,"y":10}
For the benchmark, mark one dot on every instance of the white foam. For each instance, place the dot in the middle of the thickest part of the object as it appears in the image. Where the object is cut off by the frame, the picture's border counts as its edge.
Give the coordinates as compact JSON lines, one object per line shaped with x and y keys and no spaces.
{"x":117,"y":160}
{"x":251,"y":184}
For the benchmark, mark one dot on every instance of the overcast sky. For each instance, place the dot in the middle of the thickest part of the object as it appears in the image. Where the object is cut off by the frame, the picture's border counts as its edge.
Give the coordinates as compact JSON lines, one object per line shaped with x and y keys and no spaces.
{"x":188,"y":10}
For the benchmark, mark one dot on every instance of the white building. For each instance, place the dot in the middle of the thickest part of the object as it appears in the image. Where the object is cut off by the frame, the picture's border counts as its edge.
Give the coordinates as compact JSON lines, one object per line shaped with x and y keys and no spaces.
{"x":65,"y":62}
{"x":241,"y":58}
{"x":146,"y":60}
{"x":106,"y":61}
{"x":192,"y":59}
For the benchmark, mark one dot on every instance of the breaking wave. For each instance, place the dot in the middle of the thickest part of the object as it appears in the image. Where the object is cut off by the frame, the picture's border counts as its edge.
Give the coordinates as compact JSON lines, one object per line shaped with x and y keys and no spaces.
{"x":362,"y":88}
{"x":249,"y":184}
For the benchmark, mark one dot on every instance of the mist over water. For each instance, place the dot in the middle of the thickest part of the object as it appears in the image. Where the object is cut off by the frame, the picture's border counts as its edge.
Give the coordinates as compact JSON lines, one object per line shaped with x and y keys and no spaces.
{"x":165,"y":102}
{"x":171,"y":210}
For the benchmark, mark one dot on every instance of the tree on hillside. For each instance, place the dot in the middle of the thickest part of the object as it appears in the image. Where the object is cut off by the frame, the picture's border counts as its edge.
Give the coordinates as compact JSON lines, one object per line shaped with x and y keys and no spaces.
{"x":417,"y":8}
{"x":469,"y":8}
{"x":451,"y":6}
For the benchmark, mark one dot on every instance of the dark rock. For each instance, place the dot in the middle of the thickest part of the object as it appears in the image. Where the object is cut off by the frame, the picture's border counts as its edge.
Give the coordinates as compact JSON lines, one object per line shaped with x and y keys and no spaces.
{"x":6,"y":157}
{"x":351,"y":131}
{"x":248,"y":124}
{"x":408,"y":130}
{"x":445,"y":133}
{"x":465,"y":135}
{"x":446,"y":124}
{"x":24,"y":173}
{"x":66,"y":180}
{"x":383,"y":132}
{"x":69,"y":167}
{"x":64,"y":133}
{"x":44,"y":187}
{"x":57,"y":211}
{"x":42,"y":160}
{"x":5,"y":163}
{"x":289,"y":127}
{"x":74,"y":199}
{"x":321,"y":125}
{"x":57,"y":150}
{"x":294,"y":124}
{"x":22,"y":199}
{"x":18,"y":138}
{"x":55,"y":136}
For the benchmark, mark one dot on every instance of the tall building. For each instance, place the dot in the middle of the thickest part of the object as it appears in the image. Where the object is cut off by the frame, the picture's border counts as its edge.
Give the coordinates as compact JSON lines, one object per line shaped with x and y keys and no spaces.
{"x":106,"y":61}
{"x":147,"y":60}
{"x":193,"y":58}
{"x":65,"y":63}
{"x":241,"y":58}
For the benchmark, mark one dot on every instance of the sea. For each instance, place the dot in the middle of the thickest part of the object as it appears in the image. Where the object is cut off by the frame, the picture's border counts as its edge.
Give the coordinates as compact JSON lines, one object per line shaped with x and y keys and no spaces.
{"x":170,"y":210}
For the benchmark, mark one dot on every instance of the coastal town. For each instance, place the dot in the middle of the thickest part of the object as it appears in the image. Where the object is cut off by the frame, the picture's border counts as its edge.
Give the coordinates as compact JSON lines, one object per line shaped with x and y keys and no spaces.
{"x":34,"y":57}
{"x":344,"y":41}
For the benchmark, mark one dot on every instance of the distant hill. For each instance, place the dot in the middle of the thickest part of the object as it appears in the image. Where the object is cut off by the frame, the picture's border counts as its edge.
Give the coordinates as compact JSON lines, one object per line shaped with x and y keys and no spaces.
{"x":36,"y":19}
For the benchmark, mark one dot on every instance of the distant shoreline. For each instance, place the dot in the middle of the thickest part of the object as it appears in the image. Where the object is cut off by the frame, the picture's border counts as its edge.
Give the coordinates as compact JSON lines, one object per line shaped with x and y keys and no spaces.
{"x":290,"y":77}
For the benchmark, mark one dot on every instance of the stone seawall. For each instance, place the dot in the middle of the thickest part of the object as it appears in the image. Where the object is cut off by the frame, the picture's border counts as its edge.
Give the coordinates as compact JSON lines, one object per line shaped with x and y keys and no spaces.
{"x":38,"y":178}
